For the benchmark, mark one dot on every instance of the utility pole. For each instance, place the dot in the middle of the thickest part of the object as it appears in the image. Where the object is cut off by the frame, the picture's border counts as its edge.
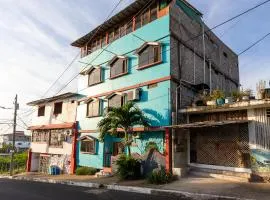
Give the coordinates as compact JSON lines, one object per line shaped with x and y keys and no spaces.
{"x":16,"y":105}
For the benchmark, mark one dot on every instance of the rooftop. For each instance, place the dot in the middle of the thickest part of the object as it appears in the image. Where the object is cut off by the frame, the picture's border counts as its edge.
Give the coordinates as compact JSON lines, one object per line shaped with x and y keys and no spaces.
{"x":54,"y":98}
{"x":242,"y":105}
{"x":125,"y":14}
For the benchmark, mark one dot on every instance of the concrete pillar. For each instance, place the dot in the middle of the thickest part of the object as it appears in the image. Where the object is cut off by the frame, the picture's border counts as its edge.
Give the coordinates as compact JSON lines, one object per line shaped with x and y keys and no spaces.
{"x":180,"y":152}
{"x":168,"y":151}
{"x":29,"y":160}
{"x":74,"y":149}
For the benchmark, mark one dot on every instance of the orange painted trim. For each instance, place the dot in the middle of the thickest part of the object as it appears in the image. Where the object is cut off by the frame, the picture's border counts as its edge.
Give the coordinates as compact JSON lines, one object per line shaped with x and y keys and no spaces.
{"x":166,"y":78}
{"x":137,"y":129}
{"x":73,"y":163}
{"x":168,"y":157}
{"x":133,"y":24}
{"x":149,"y":65}
{"x":52,"y":126}
{"x":29,"y":161}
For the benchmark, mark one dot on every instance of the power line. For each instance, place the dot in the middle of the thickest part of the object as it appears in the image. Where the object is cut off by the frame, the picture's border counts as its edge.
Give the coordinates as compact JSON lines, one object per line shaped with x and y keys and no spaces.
{"x":104,"y":49}
{"x":254,"y":44}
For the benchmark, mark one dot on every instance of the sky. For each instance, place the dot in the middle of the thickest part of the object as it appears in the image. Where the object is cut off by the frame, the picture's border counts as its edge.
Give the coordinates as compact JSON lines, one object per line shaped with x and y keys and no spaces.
{"x":35,"y":39}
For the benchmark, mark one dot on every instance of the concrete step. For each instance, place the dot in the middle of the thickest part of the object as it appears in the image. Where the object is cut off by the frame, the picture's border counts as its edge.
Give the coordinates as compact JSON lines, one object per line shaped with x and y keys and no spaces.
{"x":219,"y":174}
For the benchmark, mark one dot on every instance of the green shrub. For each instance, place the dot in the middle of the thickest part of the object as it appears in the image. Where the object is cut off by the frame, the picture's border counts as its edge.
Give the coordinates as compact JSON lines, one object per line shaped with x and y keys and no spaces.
{"x":159,"y":176}
{"x":86,"y":171}
{"x":150,"y":146}
{"x":128,"y":167}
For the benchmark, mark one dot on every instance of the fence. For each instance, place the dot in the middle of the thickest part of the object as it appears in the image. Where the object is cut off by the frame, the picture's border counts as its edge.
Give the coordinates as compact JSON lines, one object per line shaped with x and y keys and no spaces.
{"x":19,"y":163}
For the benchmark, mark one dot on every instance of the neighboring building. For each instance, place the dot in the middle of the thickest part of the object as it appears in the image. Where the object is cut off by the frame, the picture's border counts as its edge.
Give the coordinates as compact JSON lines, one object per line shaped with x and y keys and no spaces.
{"x":53,"y":133}
{"x":22,"y":141}
{"x":144,"y":57}
{"x":232,"y":139}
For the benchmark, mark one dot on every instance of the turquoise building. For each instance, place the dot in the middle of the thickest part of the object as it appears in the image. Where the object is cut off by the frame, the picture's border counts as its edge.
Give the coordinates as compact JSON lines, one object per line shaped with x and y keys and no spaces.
{"x":131,"y":57}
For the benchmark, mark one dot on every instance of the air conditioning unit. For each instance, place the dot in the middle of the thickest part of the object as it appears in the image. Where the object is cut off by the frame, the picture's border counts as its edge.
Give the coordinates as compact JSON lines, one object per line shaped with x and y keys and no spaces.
{"x":134,"y":95}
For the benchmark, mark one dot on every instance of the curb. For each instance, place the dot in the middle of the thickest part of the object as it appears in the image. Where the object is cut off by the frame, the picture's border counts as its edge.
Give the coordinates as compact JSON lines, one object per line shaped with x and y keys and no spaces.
{"x":129,"y":189}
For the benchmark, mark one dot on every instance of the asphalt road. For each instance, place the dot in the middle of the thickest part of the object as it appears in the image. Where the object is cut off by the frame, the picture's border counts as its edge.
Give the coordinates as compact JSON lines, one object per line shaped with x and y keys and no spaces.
{"x":24,"y":190}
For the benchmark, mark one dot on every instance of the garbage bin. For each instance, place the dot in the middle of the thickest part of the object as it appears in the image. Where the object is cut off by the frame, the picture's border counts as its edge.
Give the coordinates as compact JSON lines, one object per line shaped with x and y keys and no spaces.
{"x":54,"y":170}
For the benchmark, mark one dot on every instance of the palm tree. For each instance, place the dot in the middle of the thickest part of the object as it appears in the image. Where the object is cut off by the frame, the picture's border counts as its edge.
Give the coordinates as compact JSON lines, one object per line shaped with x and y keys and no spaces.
{"x":125,"y":118}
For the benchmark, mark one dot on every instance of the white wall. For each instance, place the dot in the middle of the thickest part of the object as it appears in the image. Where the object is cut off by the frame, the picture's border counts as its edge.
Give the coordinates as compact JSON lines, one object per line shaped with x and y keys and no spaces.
{"x":68,"y":113}
{"x":34,"y":162}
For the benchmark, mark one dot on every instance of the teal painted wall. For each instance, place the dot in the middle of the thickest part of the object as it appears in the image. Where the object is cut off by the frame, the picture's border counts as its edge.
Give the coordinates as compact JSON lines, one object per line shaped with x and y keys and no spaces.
{"x":155,"y":102}
{"x":140,"y":144}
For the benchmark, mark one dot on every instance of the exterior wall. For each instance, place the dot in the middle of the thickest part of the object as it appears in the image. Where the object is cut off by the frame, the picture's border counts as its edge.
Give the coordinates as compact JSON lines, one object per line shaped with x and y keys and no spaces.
{"x":260,"y":136}
{"x":187,"y":57}
{"x":154,"y":102}
{"x":68,"y":113}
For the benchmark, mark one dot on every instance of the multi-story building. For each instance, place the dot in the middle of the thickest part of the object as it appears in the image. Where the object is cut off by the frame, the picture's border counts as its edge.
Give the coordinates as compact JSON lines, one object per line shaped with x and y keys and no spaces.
{"x":145,"y":53}
{"x":53,"y":133}
{"x":22,"y":141}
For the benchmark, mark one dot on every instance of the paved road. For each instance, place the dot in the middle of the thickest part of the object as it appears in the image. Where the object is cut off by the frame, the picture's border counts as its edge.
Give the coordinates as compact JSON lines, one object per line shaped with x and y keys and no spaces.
{"x":23,"y":190}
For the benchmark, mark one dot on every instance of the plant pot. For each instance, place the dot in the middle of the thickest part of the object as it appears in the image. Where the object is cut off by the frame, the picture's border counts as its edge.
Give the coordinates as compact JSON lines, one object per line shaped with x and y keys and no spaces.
{"x":220,"y":101}
{"x":246,"y":98}
{"x":211,"y":103}
{"x":229,"y":100}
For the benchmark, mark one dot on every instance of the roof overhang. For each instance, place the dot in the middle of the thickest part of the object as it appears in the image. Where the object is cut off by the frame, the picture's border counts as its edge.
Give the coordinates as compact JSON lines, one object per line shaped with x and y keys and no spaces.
{"x":86,"y":137}
{"x":206,"y":124}
{"x":88,"y":70}
{"x":113,"y":94}
{"x":53,"y":126}
{"x":115,"y":58}
{"x":54,"y":98}
{"x":146,"y":44}
{"x":125,"y":14}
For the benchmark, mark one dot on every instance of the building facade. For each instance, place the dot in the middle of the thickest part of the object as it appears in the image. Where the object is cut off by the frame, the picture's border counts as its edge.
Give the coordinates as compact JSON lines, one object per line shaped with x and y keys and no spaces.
{"x":146,"y":53}
{"x":53,"y":134}
{"x":22,"y":141}
{"x":233,"y":140}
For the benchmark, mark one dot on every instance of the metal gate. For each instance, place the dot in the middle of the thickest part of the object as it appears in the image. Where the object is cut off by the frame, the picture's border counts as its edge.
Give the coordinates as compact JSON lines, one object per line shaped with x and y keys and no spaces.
{"x":221,"y":146}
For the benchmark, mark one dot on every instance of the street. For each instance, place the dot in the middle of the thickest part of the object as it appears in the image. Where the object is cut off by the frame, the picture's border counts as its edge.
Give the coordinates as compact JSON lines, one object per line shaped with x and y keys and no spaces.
{"x":23,"y":190}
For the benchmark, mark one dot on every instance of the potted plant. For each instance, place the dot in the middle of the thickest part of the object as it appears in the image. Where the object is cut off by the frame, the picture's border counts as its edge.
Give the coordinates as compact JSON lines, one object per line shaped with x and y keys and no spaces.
{"x":237,"y":95}
{"x":218,"y":96}
{"x":246,"y":94}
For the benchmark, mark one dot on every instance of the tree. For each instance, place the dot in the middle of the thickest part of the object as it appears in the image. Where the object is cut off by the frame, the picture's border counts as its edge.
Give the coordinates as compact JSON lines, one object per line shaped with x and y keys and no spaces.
{"x":125,"y":118}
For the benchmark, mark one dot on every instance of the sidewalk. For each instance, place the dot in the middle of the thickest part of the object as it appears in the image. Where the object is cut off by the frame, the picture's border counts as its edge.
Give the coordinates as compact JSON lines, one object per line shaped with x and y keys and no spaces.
{"x":194,"y":187}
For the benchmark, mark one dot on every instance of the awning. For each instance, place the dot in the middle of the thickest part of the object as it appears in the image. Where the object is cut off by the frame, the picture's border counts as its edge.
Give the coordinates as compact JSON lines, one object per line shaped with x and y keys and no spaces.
{"x":208,"y":124}
{"x":86,"y":137}
{"x":52,"y":126}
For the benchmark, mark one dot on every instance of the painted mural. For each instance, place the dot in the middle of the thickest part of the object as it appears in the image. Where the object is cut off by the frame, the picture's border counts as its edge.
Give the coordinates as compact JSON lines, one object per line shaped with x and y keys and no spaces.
{"x":260,"y":161}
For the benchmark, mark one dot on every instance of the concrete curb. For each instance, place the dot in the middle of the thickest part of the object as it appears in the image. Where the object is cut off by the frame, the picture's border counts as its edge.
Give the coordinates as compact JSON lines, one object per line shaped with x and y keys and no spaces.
{"x":141,"y":190}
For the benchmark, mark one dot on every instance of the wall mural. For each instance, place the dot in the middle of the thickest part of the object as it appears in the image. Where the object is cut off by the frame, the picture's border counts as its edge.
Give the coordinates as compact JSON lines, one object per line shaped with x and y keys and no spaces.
{"x":260,"y":161}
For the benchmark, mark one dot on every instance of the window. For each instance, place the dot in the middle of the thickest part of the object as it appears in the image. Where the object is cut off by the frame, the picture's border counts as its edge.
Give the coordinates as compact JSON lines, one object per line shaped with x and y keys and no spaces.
{"x":116,"y":101}
{"x":103,"y":41}
{"x":138,"y":22}
{"x":145,"y":18}
{"x":94,"y":76}
{"x":93,"y":108}
{"x":149,"y":56}
{"x":123,"y":30}
{"x":88,"y":146}
{"x":58,"y":108}
{"x":111,"y":35}
{"x":41,"y":111}
{"x":57,"y":138}
{"x":116,"y":33}
{"x":153,"y":12}
{"x":118,"y":67}
{"x":40,"y":136}
{"x":129,"y":27}
{"x":225,"y":54}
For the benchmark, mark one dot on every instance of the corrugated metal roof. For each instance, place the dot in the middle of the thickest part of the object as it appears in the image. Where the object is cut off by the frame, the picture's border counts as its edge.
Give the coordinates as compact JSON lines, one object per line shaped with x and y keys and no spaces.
{"x":54,"y":98}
